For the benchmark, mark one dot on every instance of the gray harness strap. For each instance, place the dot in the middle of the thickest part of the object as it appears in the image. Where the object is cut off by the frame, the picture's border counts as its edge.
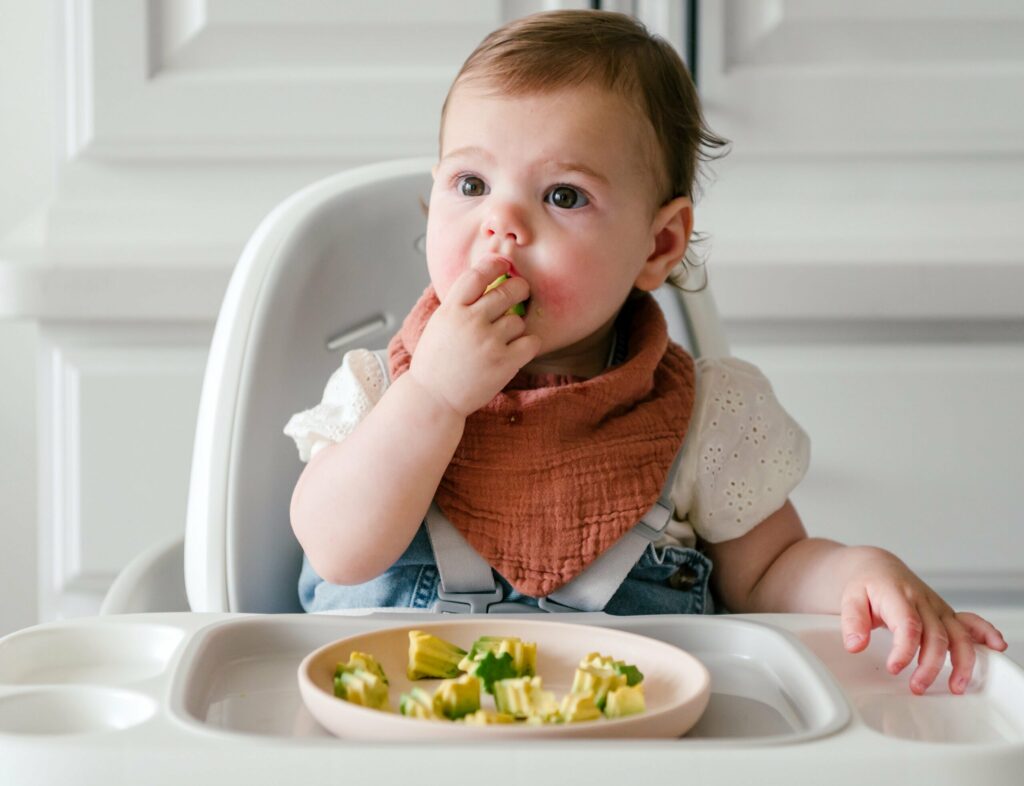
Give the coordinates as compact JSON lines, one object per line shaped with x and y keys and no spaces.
{"x":468,"y":585}
{"x":467,"y":581}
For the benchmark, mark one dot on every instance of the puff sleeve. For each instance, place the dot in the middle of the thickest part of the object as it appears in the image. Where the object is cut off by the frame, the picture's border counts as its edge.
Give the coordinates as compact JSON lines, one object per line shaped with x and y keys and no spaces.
{"x":351,"y":392}
{"x":745,"y":453}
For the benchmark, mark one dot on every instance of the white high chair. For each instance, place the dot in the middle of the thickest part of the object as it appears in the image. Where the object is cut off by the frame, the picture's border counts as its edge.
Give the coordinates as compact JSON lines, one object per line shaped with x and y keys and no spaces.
{"x":335,"y":266}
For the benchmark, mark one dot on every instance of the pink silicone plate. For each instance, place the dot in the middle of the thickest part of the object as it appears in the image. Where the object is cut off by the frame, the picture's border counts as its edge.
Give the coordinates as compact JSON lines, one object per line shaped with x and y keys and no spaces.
{"x":676,"y":685}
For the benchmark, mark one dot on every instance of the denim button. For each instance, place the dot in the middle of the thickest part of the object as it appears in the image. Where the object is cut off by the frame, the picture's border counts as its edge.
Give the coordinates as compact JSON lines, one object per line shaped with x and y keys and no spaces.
{"x":683,"y":579}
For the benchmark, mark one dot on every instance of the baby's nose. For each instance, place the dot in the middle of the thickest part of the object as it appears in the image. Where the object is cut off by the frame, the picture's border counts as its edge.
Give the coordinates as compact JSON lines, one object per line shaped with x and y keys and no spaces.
{"x":506,"y":223}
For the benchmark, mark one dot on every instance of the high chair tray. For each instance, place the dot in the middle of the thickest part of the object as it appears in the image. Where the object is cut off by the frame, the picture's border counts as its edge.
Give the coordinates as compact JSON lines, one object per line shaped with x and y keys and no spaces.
{"x":160,"y":698}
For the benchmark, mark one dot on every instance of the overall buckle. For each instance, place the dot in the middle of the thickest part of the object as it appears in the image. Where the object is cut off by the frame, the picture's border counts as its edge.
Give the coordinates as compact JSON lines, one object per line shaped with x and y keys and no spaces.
{"x":467,"y":602}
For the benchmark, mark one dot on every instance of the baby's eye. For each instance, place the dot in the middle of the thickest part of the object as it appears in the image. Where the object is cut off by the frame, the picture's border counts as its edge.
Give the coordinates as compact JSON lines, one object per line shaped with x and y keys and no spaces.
{"x":472,"y":186}
{"x":567,"y":197}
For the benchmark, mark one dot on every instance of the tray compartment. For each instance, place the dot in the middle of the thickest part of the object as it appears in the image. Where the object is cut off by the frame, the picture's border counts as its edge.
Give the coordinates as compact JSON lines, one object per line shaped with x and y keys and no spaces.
{"x":991,"y":710}
{"x":75,"y":654}
{"x":72,"y":710}
{"x":240,"y":676}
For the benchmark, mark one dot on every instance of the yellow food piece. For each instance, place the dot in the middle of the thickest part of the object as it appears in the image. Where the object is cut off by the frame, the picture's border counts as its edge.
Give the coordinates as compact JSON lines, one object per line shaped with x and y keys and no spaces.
{"x":487,"y":718}
{"x":596,"y":680}
{"x":366,"y":662}
{"x":458,"y":697}
{"x":362,"y":687}
{"x":579,"y":707}
{"x":518,"y":309}
{"x":625,"y":701}
{"x":430,"y":656}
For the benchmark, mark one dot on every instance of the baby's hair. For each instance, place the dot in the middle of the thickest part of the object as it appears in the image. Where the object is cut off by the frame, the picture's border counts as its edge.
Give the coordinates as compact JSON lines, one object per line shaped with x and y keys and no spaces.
{"x":557,"y":49}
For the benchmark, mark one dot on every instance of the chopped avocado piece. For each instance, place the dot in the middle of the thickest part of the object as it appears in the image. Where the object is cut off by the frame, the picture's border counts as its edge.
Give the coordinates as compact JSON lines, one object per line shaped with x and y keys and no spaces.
{"x":519,"y":309}
{"x":487,"y":718}
{"x":362,"y":687}
{"x":456,"y":698}
{"x":365,"y":661}
{"x":417,"y":703}
{"x":578,"y":707}
{"x":493,"y":667}
{"x":597,"y":680}
{"x":632,"y":674}
{"x":524,"y":653}
{"x":430,"y":656}
{"x":522,"y":697}
{"x":627,"y":700}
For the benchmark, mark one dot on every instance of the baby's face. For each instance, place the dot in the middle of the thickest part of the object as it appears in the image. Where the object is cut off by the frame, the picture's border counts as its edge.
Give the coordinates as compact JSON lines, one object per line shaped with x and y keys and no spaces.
{"x":559,"y":184}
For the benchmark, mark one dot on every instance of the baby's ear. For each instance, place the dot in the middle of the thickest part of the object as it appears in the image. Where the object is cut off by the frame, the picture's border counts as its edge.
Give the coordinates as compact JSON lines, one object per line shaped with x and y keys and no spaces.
{"x":670,"y":237}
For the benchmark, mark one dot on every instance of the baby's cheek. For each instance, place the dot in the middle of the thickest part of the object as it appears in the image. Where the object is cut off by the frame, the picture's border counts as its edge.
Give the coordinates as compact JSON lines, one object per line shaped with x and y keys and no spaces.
{"x":444,"y":265}
{"x":561,"y":299}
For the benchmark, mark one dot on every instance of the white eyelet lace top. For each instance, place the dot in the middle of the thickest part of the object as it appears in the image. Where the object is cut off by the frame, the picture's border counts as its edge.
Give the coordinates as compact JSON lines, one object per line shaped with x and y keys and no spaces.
{"x":744,"y":453}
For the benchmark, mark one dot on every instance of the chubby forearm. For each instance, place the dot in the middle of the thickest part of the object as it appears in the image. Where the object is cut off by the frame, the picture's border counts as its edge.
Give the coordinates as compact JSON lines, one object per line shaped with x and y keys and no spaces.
{"x":807,"y":577}
{"x":358,"y":503}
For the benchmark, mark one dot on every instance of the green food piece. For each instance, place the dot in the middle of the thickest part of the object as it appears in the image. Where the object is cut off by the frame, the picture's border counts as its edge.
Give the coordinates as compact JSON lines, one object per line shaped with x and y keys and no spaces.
{"x":362,"y":687}
{"x":632,"y":674}
{"x":455,"y":698}
{"x":417,"y":703}
{"x":430,"y":656}
{"x":597,"y":680}
{"x":627,"y":700}
{"x":519,"y":309}
{"x":493,"y":667}
{"x":578,"y":707}
{"x":523,"y":653}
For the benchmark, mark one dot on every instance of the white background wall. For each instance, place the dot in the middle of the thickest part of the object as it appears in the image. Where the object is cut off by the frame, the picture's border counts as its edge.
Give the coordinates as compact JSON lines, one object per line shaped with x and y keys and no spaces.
{"x":27,"y":107}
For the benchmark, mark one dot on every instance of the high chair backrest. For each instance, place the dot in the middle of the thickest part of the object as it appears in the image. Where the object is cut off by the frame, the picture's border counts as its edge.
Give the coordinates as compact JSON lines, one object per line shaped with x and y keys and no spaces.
{"x":335,"y":266}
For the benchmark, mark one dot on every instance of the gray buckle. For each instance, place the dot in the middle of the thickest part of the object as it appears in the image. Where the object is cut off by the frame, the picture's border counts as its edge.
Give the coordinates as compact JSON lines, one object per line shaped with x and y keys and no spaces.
{"x":467,"y":602}
{"x":652,"y":531}
{"x":554,"y":606}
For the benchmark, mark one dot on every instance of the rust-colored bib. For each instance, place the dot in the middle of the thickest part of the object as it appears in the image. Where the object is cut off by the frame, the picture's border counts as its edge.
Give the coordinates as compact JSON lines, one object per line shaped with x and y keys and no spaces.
{"x":548,"y":477}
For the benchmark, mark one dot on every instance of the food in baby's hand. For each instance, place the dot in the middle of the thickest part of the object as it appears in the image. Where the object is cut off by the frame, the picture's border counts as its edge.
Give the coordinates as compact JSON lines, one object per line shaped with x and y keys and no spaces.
{"x":519,"y":309}
{"x":504,"y":666}
{"x":458,"y":697}
{"x":430,"y":656}
{"x":627,"y":700}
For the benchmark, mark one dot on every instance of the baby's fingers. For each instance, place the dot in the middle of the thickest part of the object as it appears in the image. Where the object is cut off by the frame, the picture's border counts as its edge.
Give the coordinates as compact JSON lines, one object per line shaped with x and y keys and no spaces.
{"x":935,"y":643}
{"x":855,"y":619}
{"x":906,"y":626}
{"x":981,"y":630}
{"x":469,"y":286}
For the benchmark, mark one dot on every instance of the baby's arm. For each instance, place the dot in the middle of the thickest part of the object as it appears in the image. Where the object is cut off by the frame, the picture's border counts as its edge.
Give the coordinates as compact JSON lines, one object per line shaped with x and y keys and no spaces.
{"x":359,"y":502}
{"x":776,"y":568}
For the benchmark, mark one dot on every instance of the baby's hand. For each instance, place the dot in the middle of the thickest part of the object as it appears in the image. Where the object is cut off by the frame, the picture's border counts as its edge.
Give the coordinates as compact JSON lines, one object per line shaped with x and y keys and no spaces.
{"x":472,"y":347}
{"x":887,"y":593}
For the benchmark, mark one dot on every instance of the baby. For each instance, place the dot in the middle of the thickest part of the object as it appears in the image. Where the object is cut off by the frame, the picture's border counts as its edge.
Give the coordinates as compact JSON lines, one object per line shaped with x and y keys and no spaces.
{"x":568,"y":160}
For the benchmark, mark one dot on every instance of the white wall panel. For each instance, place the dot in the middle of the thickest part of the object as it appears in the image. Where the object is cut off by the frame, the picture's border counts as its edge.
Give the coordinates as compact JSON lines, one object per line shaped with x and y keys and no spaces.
{"x":811,"y":77}
{"x":914,"y":447}
{"x":118,"y":425}
{"x":232,"y":80}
